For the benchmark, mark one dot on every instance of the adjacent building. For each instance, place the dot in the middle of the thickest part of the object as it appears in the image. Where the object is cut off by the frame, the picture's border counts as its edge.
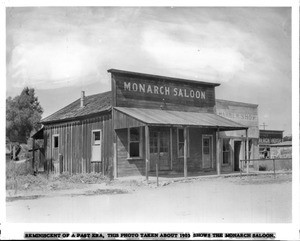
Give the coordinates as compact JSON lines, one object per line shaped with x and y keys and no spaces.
{"x":267,"y":138}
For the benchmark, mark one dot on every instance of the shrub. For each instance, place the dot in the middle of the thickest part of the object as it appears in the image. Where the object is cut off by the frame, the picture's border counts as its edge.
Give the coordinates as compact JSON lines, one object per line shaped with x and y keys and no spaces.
{"x":48,"y":182}
{"x":87,"y":178}
{"x":29,"y":181}
{"x":15,"y":168}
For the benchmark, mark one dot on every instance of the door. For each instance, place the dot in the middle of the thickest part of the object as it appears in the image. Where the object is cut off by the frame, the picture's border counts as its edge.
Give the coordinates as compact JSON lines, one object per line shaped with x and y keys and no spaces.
{"x":237,"y":149}
{"x":207,"y":152}
{"x":96,"y":146}
{"x":160,"y":150}
{"x":55,"y":152}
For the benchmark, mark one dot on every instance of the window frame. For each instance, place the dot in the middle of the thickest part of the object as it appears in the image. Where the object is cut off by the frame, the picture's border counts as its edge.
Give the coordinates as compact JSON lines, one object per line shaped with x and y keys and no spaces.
{"x":53,"y":141}
{"x":212,"y":139}
{"x":139,"y":141}
{"x":227,"y":151}
{"x":96,"y":144}
{"x":188,"y":142}
{"x":99,"y":142}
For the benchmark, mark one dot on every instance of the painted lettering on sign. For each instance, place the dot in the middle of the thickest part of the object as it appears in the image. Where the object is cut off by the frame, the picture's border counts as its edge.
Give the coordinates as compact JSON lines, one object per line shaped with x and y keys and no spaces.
{"x":281,"y":152}
{"x":240,"y":116}
{"x":164,"y":90}
{"x":269,"y":140}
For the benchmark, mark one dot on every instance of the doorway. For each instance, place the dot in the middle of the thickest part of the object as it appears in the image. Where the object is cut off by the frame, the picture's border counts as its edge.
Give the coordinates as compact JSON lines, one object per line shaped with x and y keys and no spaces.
{"x":237,"y":150}
{"x":207,"y":151}
{"x":160,"y":150}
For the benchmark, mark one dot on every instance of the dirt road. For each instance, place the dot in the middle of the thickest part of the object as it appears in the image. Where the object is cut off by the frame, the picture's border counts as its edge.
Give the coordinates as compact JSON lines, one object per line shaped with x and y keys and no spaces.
{"x":248,"y":199}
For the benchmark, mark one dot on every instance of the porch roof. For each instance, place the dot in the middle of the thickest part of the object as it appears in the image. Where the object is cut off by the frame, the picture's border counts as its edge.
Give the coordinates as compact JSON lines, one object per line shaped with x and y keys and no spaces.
{"x":39,"y":134}
{"x":157,"y":117}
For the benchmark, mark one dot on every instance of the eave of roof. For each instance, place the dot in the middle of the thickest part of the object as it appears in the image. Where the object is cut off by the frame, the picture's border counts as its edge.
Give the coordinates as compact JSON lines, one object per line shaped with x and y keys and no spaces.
{"x":277,"y":131}
{"x":38,"y":134}
{"x":94,"y":105}
{"x":151,"y":76}
{"x":236,"y":103}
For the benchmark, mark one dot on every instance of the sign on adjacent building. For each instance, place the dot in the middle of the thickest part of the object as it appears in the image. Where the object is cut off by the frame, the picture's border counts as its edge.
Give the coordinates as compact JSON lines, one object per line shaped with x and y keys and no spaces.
{"x":270,"y":137}
{"x":281,"y":152}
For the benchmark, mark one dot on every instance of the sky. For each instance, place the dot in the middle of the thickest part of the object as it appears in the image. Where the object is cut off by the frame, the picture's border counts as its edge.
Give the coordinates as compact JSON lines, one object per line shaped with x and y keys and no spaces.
{"x":60,"y":51}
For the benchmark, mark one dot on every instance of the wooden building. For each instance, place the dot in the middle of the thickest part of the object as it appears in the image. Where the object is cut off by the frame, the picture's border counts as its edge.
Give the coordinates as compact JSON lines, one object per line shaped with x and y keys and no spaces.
{"x":234,"y":142}
{"x":149,"y":123}
{"x":267,"y":138}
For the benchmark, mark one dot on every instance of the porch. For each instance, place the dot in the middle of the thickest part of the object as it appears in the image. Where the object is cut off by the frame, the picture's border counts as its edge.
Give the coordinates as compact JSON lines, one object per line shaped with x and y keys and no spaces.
{"x":153,"y":142}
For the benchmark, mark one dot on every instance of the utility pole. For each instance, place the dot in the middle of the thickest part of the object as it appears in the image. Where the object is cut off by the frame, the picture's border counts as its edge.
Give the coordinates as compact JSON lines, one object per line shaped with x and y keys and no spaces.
{"x":264,"y":125}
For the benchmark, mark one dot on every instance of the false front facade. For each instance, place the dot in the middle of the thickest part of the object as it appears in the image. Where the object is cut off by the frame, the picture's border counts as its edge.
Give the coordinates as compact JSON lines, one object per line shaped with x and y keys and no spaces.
{"x":149,"y":124}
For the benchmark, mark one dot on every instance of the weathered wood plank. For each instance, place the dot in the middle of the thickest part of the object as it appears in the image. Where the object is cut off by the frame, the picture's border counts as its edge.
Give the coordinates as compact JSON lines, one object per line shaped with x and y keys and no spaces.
{"x":185,"y":152}
{"x":168,"y":91}
{"x":147,"y":151}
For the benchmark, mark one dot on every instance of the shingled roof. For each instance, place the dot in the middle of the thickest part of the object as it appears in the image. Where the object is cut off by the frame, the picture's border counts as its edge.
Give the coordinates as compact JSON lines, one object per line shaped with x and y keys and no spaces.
{"x":93,"y":104}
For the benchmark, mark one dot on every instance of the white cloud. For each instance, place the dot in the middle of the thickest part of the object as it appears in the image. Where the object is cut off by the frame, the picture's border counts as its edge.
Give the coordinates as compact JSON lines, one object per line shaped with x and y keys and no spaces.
{"x":52,"y":65}
{"x":219,"y":62}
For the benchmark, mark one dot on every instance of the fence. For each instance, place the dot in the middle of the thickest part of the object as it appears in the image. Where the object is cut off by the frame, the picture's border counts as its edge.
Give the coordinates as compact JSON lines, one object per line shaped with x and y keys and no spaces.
{"x":273,"y":160}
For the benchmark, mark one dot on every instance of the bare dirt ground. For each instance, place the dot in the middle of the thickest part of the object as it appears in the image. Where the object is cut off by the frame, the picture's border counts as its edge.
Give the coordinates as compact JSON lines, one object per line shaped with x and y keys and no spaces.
{"x":251,"y":199}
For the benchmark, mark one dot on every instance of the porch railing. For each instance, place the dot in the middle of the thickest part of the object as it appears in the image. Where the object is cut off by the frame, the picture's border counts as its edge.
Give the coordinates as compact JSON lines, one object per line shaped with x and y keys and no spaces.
{"x":262,"y":160}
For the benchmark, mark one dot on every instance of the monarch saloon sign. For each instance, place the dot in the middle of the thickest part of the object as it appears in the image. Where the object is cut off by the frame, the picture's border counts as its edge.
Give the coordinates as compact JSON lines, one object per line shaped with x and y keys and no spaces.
{"x":164,"y":90}
{"x":154,"y":92}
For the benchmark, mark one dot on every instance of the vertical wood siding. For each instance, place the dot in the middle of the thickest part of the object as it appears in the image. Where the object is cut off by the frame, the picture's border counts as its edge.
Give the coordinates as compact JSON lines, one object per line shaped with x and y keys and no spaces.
{"x":75,"y":144}
{"x":136,"y":166}
{"x":194,"y":160}
{"x":127,"y":166}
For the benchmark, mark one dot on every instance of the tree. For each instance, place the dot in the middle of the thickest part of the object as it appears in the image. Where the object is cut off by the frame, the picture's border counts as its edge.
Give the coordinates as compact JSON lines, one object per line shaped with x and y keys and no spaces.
{"x":23,"y":114}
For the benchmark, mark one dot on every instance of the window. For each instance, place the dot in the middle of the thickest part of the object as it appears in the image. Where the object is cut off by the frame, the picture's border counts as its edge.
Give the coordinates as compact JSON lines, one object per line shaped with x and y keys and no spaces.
{"x":180,"y":142}
{"x":96,"y":138}
{"x":153,"y":142}
{"x":55,"y":141}
{"x":134,"y":142}
{"x":226,"y":151}
{"x":164,"y":142}
{"x":206,"y":146}
{"x":96,"y":146}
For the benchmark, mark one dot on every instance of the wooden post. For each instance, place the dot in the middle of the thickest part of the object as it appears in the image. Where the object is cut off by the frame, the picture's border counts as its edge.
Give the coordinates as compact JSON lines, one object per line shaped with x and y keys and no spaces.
{"x":147,"y":150}
{"x":71,"y":159}
{"x":158,"y":156}
{"x":171,"y":148}
{"x":115,"y":161}
{"x":61,"y":162}
{"x":218,"y":153}
{"x":274,"y":167}
{"x":82,"y":148}
{"x":14,"y":152}
{"x":247,"y":150}
{"x":33,"y":159}
{"x":240,"y":170}
{"x":185,"y":151}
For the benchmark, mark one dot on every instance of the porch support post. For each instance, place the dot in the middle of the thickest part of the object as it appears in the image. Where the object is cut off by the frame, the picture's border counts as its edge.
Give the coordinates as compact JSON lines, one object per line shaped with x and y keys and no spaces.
{"x":115,"y":151}
{"x":218,"y":152}
{"x":171,"y":148}
{"x":115,"y":164}
{"x":147,"y":150}
{"x":185,"y":151}
{"x":14,"y":152}
{"x":33,"y":146}
{"x":247,"y":150}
